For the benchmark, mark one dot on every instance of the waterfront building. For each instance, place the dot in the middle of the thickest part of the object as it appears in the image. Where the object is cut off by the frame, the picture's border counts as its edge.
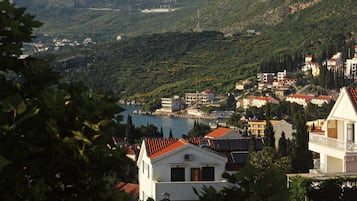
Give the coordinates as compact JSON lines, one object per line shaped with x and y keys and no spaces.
{"x":171,"y":104}
{"x":203,"y":97}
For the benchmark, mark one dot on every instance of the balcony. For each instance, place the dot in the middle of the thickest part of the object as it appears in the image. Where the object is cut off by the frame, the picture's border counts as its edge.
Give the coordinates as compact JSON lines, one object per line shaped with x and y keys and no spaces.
{"x":321,"y":141}
{"x":184,"y":190}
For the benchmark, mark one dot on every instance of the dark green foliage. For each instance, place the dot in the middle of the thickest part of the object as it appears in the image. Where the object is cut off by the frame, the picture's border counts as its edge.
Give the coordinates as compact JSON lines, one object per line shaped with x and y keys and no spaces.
{"x":129,"y":130}
{"x":301,"y":157}
{"x":250,"y":184}
{"x":269,"y":138}
{"x":330,"y":189}
{"x":56,"y":139}
{"x":231,"y":103}
{"x":198,"y":130}
{"x":283,"y":147}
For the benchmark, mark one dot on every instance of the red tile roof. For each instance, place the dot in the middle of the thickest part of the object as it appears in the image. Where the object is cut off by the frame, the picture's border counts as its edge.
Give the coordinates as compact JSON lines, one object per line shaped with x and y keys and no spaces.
{"x":324,"y":97}
{"x":158,"y":146}
{"x":129,"y":188}
{"x":301,"y":96}
{"x":353,"y":94}
{"x":219,"y":132}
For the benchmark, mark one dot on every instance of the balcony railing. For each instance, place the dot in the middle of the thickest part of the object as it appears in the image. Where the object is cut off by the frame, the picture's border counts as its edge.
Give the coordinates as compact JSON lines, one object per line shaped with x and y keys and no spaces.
{"x":332,"y":143}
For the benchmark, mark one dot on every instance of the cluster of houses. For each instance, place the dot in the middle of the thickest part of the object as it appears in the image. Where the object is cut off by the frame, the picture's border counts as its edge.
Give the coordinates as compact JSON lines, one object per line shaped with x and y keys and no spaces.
{"x":56,"y":44}
{"x":280,"y":83}
{"x":171,"y":168}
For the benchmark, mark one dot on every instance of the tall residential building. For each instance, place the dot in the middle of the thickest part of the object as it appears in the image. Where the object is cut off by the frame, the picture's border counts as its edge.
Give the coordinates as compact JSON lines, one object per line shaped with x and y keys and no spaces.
{"x":351,"y":66}
{"x":203,"y":97}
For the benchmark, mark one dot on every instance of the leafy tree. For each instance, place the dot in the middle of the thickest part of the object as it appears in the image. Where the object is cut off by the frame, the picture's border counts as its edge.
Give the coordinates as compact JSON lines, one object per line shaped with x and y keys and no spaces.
{"x":250,"y":184}
{"x":56,"y":141}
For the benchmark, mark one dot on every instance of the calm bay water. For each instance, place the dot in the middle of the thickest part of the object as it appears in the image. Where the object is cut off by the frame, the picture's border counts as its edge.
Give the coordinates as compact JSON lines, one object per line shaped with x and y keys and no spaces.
{"x":179,"y":126}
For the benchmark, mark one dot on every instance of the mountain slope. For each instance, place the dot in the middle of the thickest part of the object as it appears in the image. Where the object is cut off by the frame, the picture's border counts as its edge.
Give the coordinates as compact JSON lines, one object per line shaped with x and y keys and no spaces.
{"x":75,"y":18}
{"x":172,"y":63}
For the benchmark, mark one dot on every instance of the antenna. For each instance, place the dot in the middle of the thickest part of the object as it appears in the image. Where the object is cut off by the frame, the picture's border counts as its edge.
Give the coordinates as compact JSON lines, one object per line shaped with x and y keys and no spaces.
{"x":198,"y":27}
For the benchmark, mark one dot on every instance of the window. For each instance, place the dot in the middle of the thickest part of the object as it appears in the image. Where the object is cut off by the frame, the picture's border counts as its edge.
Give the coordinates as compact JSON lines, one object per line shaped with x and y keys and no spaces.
{"x":148,"y":171}
{"x":178,"y":174}
{"x":350,"y":132}
{"x":195,"y":174}
{"x":207,"y":173}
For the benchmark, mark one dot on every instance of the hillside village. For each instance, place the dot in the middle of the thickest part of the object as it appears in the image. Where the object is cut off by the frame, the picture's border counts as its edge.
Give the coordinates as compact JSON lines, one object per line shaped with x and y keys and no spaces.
{"x":169,"y":168}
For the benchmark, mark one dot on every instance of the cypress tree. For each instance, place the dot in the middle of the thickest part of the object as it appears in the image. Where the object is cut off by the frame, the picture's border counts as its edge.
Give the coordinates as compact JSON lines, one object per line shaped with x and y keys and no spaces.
{"x":128,"y":130}
{"x":283,"y":149}
{"x":170,"y":135}
{"x":301,"y":157}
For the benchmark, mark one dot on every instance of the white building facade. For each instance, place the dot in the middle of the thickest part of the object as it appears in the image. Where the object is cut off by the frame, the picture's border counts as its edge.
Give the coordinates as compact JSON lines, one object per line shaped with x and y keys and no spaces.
{"x":171,"y":104}
{"x":337,"y":144}
{"x":174,"y":167}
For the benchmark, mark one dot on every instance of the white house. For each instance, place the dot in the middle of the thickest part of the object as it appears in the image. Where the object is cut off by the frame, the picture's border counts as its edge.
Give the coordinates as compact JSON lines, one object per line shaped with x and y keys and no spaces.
{"x":335,"y":63}
{"x":337,"y":144}
{"x":314,"y":67}
{"x":299,"y":99}
{"x":320,"y":100}
{"x":256,"y":101}
{"x":175,"y":166}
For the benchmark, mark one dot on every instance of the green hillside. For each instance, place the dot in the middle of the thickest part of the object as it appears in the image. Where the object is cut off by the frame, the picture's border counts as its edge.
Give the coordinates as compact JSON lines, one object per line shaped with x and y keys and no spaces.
{"x":84,"y":18}
{"x":170,"y":63}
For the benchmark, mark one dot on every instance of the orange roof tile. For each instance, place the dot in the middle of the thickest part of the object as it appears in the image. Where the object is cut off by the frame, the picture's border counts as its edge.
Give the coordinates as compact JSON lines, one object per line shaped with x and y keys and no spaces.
{"x":159,"y":146}
{"x":219,"y":132}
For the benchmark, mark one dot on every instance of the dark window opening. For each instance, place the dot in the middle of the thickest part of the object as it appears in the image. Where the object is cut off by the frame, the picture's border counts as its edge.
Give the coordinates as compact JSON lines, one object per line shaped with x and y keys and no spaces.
{"x":207,"y":173}
{"x":178,"y":174}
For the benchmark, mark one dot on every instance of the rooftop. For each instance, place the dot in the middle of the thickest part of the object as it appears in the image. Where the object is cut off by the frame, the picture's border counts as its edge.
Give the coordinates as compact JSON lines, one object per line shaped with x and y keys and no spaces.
{"x":219,"y":132}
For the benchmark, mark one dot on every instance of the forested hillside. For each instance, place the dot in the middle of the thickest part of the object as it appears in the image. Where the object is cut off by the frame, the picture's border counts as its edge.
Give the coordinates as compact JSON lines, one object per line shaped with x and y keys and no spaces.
{"x":163,"y":64}
{"x":80,"y":18}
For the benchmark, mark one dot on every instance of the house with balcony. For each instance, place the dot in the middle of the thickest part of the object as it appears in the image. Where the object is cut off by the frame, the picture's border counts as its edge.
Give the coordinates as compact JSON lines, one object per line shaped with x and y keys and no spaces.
{"x":257,"y":127}
{"x":336,"y":145}
{"x":175,"y":166}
